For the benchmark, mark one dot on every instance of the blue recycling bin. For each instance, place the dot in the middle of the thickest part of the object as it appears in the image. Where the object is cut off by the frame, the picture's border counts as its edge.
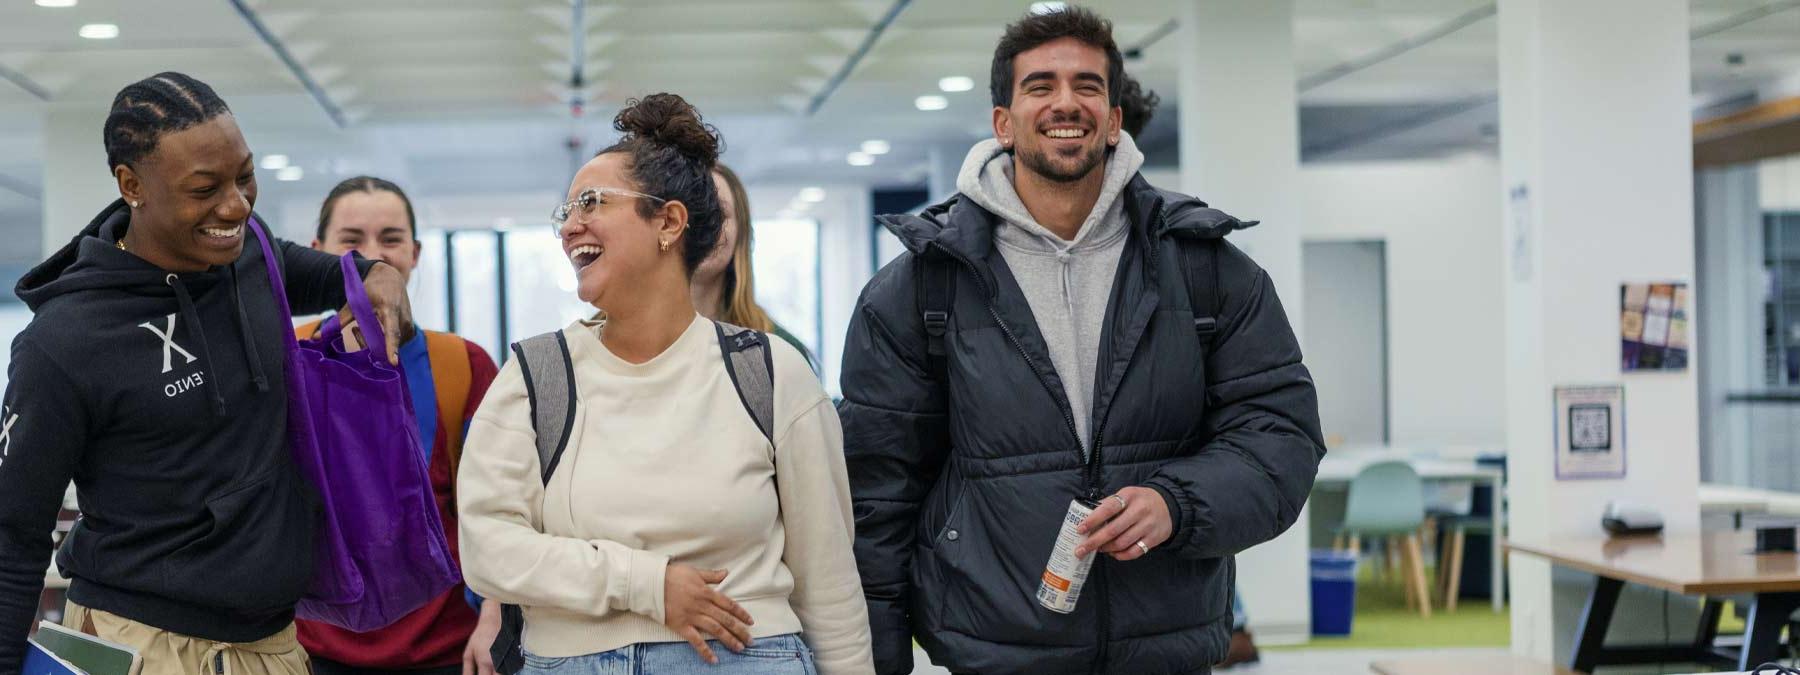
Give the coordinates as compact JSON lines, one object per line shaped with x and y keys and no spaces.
{"x":1333,"y":592}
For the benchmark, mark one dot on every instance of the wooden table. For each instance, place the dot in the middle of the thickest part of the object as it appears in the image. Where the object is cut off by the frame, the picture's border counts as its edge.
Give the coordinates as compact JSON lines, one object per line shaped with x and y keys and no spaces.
{"x":1339,"y":468}
{"x":1711,"y":564}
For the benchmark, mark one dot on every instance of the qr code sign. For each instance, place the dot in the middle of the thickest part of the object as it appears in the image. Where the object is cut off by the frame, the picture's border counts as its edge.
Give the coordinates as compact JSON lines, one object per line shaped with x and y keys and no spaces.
{"x":1590,"y":427}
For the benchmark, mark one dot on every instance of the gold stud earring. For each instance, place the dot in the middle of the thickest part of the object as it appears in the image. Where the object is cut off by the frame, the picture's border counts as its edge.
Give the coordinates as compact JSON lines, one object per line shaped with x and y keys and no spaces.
{"x":664,"y":245}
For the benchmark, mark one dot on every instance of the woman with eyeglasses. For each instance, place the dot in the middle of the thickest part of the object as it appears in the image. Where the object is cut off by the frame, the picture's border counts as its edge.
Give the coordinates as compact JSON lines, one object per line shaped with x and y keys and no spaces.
{"x":672,"y":535}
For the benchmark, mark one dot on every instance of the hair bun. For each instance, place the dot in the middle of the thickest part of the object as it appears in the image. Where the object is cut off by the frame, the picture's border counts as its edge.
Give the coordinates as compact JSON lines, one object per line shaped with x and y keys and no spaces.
{"x":669,"y":120}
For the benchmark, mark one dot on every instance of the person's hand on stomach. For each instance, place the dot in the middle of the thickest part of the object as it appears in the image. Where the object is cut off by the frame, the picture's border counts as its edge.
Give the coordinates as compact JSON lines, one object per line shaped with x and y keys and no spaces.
{"x":695,"y":610}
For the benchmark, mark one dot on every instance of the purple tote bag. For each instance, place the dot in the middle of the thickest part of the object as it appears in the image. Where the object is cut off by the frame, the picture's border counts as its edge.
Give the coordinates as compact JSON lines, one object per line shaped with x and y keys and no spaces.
{"x":380,"y":550}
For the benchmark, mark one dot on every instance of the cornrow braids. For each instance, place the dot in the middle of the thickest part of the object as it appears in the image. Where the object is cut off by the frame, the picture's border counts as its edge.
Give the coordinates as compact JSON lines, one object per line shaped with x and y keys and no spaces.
{"x":146,"y":110}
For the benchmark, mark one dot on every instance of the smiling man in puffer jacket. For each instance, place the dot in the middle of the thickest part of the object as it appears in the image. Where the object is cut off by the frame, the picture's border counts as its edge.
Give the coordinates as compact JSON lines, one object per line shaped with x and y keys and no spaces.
{"x":1062,"y":330}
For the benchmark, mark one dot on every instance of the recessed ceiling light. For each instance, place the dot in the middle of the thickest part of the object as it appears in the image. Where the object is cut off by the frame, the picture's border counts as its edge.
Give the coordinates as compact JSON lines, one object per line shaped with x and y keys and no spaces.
{"x":1047,"y":7}
{"x":812,"y":195}
{"x":876,"y":147}
{"x":274,"y":162}
{"x":956,"y":83}
{"x":860,"y":159}
{"x":290,"y":173}
{"x":56,"y":3}
{"x":99,"y":31}
{"x":932,"y":102}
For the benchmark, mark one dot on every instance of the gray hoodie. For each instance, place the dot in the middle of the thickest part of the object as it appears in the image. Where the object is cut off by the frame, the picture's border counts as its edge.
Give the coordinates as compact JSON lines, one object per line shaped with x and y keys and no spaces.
{"x":1066,"y":283}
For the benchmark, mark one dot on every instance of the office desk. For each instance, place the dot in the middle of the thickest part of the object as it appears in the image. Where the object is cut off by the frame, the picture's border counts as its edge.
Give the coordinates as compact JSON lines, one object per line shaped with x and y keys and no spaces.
{"x":1340,"y":467}
{"x":1710,"y":564}
{"x":1738,"y":501}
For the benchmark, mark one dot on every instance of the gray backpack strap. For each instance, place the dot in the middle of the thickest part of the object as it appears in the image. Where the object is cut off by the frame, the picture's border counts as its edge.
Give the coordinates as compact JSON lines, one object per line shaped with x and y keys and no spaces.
{"x":752,"y":370}
{"x":550,"y":382}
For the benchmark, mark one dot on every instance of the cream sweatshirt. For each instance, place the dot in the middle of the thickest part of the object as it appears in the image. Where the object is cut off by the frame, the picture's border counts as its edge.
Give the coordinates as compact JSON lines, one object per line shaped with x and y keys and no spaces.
{"x":664,"y":465}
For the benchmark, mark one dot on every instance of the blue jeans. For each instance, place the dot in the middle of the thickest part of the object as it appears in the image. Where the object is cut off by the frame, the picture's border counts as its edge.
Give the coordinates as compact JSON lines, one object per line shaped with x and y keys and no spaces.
{"x":773,"y":655}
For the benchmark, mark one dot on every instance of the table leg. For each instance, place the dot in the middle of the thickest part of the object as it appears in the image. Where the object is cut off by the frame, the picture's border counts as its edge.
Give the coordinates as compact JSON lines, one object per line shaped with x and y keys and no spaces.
{"x":1769,"y":613}
{"x":1710,"y":611}
{"x":1590,"y":635}
{"x":1497,"y":577}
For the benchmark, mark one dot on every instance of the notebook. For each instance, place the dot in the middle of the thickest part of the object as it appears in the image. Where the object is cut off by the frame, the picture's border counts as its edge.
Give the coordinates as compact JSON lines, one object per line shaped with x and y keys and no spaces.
{"x":38,"y":661}
{"x":86,"y":653}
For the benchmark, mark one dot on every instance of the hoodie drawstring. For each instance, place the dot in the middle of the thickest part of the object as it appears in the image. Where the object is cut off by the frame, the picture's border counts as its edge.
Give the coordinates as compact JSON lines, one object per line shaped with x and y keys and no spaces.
{"x":1063,"y":256}
{"x":192,"y":318}
{"x":247,"y":337}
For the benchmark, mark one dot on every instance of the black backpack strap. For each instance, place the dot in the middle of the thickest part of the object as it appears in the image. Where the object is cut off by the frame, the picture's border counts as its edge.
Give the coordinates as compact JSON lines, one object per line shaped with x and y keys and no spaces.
{"x":752,"y":368}
{"x":1202,"y":285}
{"x":550,"y":385}
{"x":936,"y":277}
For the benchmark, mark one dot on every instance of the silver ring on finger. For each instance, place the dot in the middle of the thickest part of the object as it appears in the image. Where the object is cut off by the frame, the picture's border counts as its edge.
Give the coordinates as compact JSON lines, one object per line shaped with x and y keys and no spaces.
{"x":1121,"y":499}
{"x":1144,"y":548}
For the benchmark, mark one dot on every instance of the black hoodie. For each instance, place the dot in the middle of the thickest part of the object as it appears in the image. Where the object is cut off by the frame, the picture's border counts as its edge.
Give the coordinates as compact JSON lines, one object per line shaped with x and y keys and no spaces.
{"x":163,"y":397}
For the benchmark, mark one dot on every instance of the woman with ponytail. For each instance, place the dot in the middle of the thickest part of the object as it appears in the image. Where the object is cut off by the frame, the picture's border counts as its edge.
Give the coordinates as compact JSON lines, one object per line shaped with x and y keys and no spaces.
{"x":724,"y":287}
{"x":672,"y":534}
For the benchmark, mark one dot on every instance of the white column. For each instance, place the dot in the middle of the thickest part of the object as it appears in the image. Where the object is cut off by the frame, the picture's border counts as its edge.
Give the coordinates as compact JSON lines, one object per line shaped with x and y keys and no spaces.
{"x":1730,"y":239}
{"x":1240,"y":151}
{"x":77,"y":182}
{"x":1596,"y":150}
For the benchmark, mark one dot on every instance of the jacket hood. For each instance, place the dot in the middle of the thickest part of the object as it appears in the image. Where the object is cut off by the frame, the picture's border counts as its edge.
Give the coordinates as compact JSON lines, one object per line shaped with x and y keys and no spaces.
{"x":963,"y":227}
{"x":90,"y":261}
{"x":987,"y":178}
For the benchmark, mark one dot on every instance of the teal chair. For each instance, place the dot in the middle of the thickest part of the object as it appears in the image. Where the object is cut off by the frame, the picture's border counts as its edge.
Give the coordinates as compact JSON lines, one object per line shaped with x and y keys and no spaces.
{"x":1387,"y":501}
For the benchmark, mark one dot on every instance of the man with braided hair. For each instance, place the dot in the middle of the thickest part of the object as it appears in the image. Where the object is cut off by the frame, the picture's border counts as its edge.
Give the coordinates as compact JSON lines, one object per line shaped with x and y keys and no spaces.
{"x":151,"y":375}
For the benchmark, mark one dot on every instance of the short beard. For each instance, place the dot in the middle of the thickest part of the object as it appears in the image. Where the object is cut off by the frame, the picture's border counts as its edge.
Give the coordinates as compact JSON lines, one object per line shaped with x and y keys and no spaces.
{"x":1039,"y":163}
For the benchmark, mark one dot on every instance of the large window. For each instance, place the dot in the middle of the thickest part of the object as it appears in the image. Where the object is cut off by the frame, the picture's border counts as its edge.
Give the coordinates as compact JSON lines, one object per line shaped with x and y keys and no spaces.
{"x":1781,"y":308}
{"x":786,"y":258}
{"x":473,"y":308}
{"x":540,"y":285}
{"x":1749,"y":323}
{"x":468,"y":279}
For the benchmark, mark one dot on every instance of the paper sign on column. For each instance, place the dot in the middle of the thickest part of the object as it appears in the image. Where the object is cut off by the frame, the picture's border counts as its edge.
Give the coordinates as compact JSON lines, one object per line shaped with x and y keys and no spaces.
{"x":1590,"y":432}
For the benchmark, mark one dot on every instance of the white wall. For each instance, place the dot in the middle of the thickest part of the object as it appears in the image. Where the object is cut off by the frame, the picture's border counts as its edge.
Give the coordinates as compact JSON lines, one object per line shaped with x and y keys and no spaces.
{"x":1446,"y":331}
{"x":1345,"y":341}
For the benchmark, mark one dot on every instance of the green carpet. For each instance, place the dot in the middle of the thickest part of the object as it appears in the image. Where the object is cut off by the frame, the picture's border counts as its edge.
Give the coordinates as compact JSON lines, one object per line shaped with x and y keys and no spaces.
{"x":1382,"y":620}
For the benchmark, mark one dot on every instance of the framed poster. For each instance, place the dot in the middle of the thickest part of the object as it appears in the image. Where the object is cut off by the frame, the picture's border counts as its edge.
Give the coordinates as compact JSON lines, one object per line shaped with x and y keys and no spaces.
{"x":1653,"y":327}
{"x":1590,"y":432}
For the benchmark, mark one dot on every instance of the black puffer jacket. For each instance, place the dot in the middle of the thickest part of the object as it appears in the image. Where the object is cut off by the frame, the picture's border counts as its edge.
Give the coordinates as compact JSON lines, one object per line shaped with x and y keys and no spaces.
{"x":960,"y":487}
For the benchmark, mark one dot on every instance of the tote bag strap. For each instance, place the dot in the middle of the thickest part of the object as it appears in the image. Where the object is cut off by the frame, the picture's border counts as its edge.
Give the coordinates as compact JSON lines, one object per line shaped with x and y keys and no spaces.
{"x":275,"y":281}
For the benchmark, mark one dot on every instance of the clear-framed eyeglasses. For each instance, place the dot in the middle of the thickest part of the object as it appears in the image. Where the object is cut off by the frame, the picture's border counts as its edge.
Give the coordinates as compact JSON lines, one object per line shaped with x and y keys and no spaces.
{"x":583,"y":205}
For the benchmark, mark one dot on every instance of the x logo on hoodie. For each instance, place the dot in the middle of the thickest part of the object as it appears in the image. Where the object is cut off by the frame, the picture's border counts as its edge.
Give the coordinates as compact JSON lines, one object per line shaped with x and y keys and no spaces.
{"x":6,"y":425}
{"x":168,"y":337}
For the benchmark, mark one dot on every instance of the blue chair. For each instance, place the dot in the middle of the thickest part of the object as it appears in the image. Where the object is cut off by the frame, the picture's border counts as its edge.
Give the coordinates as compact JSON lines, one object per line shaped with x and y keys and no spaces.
{"x":1387,"y":500}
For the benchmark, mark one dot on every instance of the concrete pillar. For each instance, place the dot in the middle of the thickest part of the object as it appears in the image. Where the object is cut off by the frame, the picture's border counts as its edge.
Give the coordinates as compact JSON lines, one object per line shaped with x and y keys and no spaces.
{"x":1240,"y":151}
{"x":1596,"y":147}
